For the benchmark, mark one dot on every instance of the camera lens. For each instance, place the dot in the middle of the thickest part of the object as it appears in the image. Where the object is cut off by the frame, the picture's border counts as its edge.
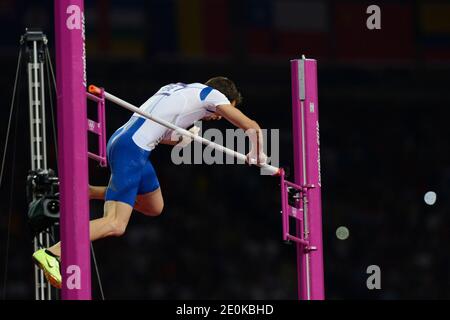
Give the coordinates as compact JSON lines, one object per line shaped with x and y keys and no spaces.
{"x":53,"y":206}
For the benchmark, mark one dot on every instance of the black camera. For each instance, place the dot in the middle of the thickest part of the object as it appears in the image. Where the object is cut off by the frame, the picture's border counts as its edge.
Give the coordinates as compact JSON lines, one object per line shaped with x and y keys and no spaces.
{"x":43,"y":199}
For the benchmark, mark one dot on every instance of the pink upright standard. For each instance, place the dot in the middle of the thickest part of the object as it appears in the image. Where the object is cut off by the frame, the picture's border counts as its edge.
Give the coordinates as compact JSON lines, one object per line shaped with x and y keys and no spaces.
{"x":307,"y":177}
{"x":72,"y":145}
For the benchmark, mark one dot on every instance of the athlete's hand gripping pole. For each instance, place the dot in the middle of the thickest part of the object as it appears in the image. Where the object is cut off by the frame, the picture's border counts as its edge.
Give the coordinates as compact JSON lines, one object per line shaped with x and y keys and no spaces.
{"x":256,"y":155}
{"x":185,"y":140}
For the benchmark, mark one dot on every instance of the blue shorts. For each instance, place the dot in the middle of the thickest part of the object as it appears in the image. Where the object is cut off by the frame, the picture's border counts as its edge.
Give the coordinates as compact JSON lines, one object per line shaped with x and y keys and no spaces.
{"x":132,"y":172}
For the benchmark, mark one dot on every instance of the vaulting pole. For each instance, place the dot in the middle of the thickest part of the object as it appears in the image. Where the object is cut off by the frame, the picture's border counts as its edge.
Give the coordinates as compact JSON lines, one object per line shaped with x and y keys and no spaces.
{"x":72,"y":153}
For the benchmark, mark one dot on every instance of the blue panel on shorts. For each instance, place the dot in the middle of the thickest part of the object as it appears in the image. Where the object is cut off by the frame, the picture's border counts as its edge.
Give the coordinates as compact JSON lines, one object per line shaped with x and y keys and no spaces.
{"x":131,"y":170}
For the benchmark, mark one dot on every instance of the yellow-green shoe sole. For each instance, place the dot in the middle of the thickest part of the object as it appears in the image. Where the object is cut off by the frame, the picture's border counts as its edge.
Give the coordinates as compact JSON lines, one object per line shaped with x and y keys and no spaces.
{"x":50,"y":278}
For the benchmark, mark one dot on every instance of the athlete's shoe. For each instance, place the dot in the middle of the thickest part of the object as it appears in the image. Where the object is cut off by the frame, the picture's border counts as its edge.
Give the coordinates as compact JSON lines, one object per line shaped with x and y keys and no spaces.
{"x":50,"y":265}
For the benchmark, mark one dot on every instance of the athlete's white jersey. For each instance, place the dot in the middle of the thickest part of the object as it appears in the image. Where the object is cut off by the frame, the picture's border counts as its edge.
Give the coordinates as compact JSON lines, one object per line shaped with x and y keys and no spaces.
{"x":179,"y":103}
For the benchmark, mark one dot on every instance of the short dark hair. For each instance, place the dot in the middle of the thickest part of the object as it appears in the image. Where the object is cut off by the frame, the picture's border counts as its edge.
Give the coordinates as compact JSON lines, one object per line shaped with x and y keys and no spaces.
{"x":227,"y":87}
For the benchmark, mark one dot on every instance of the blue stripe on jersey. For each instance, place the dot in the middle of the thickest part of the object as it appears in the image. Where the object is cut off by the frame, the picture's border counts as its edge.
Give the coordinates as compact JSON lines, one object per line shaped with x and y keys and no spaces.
{"x":205,"y":92}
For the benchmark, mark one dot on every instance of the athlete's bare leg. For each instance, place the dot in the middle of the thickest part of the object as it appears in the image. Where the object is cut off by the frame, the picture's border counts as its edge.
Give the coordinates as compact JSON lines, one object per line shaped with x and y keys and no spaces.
{"x":97,"y":192}
{"x":150,"y":204}
{"x":117,"y":214}
{"x":113,"y":223}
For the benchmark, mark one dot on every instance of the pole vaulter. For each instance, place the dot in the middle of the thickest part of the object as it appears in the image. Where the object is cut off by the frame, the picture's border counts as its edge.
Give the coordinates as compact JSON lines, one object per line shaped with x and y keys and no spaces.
{"x":136,"y":139}
{"x":108,"y":96}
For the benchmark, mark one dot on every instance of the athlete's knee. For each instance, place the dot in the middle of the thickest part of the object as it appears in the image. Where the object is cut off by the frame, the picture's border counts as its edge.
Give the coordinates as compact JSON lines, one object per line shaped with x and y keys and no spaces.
{"x":158,"y":209}
{"x":154,"y":210}
{"x":117,"y":227}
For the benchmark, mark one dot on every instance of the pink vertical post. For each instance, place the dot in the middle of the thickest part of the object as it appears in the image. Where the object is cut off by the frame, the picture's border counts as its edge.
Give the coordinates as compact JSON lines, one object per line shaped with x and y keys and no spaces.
{"x":72,"y":145}
{"x":307,"y":174}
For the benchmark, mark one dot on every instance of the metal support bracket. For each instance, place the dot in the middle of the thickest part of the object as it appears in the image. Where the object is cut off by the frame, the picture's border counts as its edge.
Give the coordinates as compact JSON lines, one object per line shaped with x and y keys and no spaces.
{"x":98,"y":127}
{"x":293,"y":197}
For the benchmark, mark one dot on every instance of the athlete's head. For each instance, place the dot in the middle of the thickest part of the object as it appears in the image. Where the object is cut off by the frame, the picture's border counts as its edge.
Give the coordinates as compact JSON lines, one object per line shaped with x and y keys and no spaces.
{"x":226,"y":87}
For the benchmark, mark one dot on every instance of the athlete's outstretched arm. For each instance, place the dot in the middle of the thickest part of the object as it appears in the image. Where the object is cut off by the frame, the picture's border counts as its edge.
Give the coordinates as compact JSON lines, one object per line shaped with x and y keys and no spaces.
{"x":251,"y":128}
{"x":237,"y":117}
